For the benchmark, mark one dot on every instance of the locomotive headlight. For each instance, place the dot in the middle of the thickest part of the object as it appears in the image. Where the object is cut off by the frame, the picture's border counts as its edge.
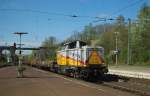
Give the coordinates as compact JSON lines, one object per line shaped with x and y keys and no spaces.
{"x":84,"y":65}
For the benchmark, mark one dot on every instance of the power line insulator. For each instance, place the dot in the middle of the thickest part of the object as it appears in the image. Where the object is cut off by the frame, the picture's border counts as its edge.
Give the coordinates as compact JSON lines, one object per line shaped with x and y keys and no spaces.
{"x":74,"y":16}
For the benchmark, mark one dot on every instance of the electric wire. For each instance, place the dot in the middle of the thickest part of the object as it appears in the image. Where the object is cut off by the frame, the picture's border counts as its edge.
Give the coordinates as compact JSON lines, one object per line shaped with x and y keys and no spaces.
{"x":126,"y":7}
{"x":46,"y":12}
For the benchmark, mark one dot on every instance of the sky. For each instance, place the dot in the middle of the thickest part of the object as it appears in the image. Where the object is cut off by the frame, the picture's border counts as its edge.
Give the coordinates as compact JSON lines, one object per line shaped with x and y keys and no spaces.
{"x":44,"y":18}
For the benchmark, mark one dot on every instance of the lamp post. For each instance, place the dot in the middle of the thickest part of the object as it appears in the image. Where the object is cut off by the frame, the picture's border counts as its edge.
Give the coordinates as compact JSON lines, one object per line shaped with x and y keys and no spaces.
{"x":20,"y":69}
{"x":116,"y":49}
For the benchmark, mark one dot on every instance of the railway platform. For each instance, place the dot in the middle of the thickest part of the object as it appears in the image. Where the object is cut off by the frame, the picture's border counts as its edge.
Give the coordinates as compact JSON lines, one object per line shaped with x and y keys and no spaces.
{"x":37,"y":82}
{"x":130,"y":71}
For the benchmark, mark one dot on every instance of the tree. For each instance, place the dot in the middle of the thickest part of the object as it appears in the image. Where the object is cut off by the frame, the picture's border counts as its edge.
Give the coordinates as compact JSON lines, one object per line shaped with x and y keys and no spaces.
{"x":51,"y":45}
{"x":48,"y":52}
{"x":144,"y":33}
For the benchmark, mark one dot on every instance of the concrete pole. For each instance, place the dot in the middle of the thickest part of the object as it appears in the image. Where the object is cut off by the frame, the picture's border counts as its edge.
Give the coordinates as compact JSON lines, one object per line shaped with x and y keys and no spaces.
{"x":20,"y":73}
{"x":116,"y":40}
{"x":129,"y":51}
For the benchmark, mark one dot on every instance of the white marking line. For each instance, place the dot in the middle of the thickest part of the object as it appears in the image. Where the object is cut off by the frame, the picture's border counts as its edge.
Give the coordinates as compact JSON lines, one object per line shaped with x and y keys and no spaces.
{"x":76,"y":82}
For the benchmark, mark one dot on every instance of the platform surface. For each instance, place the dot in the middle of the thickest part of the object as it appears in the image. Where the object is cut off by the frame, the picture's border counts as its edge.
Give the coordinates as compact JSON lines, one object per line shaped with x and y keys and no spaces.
{"x":131,"y":71}
{"x":42,"y":83}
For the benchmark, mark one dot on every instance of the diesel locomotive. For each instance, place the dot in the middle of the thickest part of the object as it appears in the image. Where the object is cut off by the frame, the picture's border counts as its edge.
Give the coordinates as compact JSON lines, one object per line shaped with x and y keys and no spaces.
{"x":79,"y":60}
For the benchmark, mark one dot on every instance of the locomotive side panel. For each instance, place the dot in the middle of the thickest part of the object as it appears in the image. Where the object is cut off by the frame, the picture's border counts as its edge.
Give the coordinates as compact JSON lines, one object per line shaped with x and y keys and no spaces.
{"x":71,"y":57}
{"x":62,"y":57}
{"x":75,"y":58}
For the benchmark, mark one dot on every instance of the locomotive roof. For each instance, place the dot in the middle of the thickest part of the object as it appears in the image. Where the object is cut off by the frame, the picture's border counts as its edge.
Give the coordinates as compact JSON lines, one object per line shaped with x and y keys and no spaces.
{"x":74,"y":42}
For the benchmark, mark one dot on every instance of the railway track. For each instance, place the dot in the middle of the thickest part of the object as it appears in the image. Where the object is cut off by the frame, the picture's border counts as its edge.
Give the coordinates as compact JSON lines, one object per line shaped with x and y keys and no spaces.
{"x":135,"y":85}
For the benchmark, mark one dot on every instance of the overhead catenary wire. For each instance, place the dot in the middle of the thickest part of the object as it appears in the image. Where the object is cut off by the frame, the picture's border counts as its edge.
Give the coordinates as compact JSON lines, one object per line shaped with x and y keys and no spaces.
{"x":116,"y":12}
{"x":125,"y":7}
{"x":73,"y":15}
{"x":110,"y":17}
{"x":46,"y":12}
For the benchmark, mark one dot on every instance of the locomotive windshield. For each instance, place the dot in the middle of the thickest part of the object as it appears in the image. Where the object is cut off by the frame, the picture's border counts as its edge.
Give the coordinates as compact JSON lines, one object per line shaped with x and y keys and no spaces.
{"x":75,"y":44}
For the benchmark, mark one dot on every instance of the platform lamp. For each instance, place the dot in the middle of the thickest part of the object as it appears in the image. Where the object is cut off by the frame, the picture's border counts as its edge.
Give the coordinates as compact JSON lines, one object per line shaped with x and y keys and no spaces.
{"x":116,"y":50}
{"x":20,"y":69}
